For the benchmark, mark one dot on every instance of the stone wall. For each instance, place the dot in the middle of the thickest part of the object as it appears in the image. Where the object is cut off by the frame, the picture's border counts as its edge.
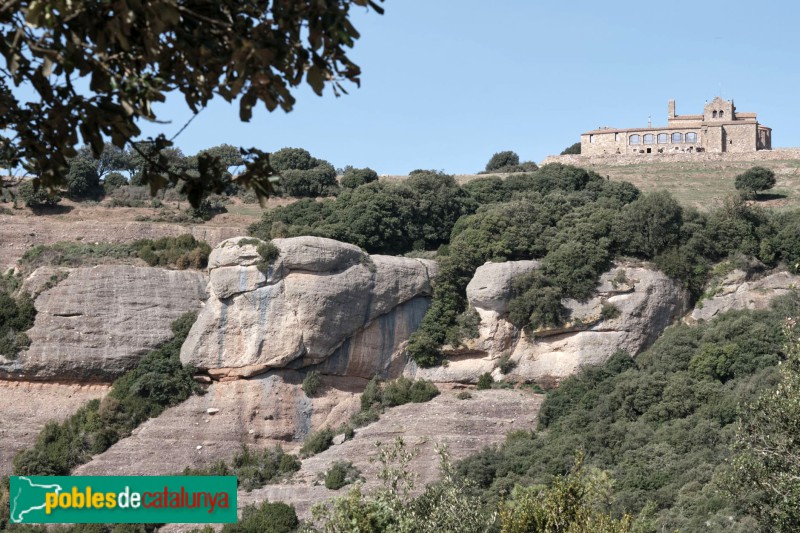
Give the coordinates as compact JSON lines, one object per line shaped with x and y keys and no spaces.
{"x":622,"y":160}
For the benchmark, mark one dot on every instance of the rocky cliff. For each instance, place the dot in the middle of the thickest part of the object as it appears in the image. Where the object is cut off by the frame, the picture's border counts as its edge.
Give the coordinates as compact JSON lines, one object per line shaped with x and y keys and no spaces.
{"x":97,"y":323}
{"x":631,"y":306}
{"x":321,"y":303}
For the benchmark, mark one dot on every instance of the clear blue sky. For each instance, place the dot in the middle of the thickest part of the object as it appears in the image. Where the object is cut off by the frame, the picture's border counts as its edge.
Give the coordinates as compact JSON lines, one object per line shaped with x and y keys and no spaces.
{"x":447,"y":83}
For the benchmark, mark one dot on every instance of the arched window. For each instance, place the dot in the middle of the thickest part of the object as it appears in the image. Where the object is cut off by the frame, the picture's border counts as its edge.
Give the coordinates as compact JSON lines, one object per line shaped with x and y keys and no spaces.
{"x":663,"y":138}
{"x":721,"y":114}
{"x":649,"y":138}
{"x":691,"y":137}
{"x":635,"y":139}
{"x":714,"y":114}
{"x":677,"y":138}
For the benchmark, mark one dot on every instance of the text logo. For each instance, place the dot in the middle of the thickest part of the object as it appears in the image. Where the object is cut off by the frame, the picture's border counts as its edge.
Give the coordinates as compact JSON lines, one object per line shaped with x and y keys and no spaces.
{"x":122,"y":499}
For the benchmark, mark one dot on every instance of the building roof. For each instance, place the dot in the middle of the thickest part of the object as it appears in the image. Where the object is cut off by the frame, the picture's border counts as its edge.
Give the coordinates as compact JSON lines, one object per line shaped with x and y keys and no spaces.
{"x":673,"y":126}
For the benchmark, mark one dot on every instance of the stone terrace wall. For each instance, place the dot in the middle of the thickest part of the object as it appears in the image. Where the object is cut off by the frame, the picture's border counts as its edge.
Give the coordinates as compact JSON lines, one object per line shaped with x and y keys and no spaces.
{"x":633,"y":159}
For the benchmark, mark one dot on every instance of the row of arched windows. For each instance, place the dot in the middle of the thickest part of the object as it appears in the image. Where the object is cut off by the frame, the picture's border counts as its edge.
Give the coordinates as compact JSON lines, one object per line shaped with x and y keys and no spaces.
{"x":720,"y":115}
{"x":663,"y":138}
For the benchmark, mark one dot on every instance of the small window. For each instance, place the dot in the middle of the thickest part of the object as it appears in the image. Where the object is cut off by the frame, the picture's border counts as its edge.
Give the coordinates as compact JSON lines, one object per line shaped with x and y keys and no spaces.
{"x":714,"y":114}
{"x":691,"y":137}
{"x":721,"y":114}
{"x":591,"y":138}
{"x":649,"y":138}
{"x":663,"y":138}
{"x":616,"y":137}
{"x":677,"y":138}
{"x":635,"y":139}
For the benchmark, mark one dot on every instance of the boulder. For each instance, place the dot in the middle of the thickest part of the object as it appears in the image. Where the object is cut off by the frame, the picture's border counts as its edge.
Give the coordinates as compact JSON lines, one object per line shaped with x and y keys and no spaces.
{"x":737,"y":291}
{"x":490,"y":287}
{"x":98,"y":322}
{"x":320,"y":302}
{"x":631,"y":306}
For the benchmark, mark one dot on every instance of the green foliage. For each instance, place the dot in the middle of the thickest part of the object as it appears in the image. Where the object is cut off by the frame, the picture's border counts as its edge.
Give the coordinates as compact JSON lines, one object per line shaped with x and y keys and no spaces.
{"x":609,"y":311}
{"x":356,"y":177}
{"x":488,"y":190}
{"x":766,"y":464}
{"x":303,"y":175}
{"x":378,"y":396}
{"x":464,"y":395}
{"x":268,"y":253}
{"x":114,"y":180}
{"x":253,"y":468}
{"x":312,"y":383}
{"x":158,"y":381}
{"x":317,"y":442}
{"x":661,"y":426}
{"x":83,"y":181}
{"x":30,"y":196}
{"x":754,"y":180}
{"x":650,"y":224}
{"x":575,"y":502}
{"x":180,"y":252}
{"x":341,"y":473}
{"x":16,"y":317}
{"x":502,"y":159}
{"x":506,"y":364}
{"x":485,"y":381}
{"x":573,"y":149}
{"x":389,"y":218}
{"x":265,"y":518}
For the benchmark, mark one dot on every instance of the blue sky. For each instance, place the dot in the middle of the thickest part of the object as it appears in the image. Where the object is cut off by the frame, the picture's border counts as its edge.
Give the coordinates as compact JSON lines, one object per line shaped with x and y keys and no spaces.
{"x":447,"y":83}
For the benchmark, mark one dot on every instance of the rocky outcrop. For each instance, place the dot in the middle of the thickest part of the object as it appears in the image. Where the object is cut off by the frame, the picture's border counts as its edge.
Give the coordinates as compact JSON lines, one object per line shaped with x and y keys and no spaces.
{"x":263,"y":411}
{"x":320,"y":303}
{"x":738,"y":291}
{"x":631,"y":306}
{"x":97,"y":322}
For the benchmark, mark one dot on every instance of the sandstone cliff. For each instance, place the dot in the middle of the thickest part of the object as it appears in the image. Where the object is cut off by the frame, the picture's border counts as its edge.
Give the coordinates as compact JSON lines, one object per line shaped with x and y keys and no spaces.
{"x":321,"y":303}
{"x":631,"y":306}
{"x":97,"y":323}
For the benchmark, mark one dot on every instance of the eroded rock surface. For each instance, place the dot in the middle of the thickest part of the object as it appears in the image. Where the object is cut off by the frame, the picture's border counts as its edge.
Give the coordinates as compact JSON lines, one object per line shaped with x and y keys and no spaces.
{"x":261,"y":412}
{"x":736,"y":291}
{"x":26,"y":407}
{"x":632,"y":305}
{"x":321,"y":302}
{"x":99,"y":321}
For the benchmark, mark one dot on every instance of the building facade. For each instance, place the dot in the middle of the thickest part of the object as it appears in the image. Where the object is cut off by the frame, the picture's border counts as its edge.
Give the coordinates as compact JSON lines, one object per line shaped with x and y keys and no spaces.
{"x":719,"y":129}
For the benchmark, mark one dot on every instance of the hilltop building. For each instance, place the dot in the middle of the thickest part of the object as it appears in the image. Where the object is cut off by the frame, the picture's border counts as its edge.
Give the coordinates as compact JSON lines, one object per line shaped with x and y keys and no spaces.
{"x":719,"y":129}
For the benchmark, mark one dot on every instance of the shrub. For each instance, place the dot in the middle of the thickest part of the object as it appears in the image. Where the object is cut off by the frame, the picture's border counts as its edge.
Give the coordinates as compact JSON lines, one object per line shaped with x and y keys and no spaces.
{"x":754,"y":180}
{"x":253,"y":468}
{"x":506,"y":364}
{"x":317,"y":442}
{"x":32,"y":197}
{"x":303,"y":175}
{"x":609,"y":311}
{"x":573,"y":149}
{"x":16,"y":317}
{"x":355,"y":177}
{"x":341,"y":473}
{"x":265,"y":518}
{"x":403,"y":390}
{"x":485,"y":381}
{"x":464,"y":395}
{"x":269,"y":253}
{"x":113,"y":181}
{"x":180,"y":252}
{"x":502,"y":159}
{"x":311,"y":383}
{"x":82,"y":179}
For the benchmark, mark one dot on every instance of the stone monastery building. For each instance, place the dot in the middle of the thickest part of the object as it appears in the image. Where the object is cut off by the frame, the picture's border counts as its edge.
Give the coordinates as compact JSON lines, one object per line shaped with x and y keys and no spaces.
{"x":719,"y":129}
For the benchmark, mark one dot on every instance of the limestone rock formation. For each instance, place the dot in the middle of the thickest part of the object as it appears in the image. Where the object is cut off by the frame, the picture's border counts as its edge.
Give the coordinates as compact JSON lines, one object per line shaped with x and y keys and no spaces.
{"x":736,"y":291}
{"x":97,"y":322}
{"x":263,"y":411}
{"x":320,"y":302}
{"x":631,"y":306}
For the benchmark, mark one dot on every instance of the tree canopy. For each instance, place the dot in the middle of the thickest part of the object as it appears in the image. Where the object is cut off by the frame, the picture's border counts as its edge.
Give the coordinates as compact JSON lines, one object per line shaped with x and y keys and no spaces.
{"x":755,"y":179}
{"x":96,"y":69}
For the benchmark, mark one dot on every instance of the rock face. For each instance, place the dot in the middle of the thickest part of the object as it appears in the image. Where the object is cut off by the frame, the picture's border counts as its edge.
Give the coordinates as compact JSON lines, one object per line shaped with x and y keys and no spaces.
{"x":320,"y":303}
{"x":632,"y":305}
{"x":99,"y":321}
{"x":262,"y":411}
{"x":735,"y":291}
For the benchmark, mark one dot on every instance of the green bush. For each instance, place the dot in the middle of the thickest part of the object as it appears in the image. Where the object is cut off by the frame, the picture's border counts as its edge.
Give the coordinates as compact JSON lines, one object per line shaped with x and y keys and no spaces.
{"x":269,"y":253}
{"x":485,"y":381}
{"x":609,"y":311}
{"x":506,"y":364}
{"x":356,"y":177}
{"x":573,"y":149}
{"x":464,"y":395}
{"x":180,"y":252}
{"x":317,"y":442}
{"x":265,"y":518}
{"x":253,"y":468}
{"x":312,"y":383}
{"x":754,"y":180}
{"x":16,"y":317}
{"x":158,"y":381}
{"x":29,"y":196}
{"x":341,"y":473}
{"x":113,"y":181}
{"x":502,"y":159}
